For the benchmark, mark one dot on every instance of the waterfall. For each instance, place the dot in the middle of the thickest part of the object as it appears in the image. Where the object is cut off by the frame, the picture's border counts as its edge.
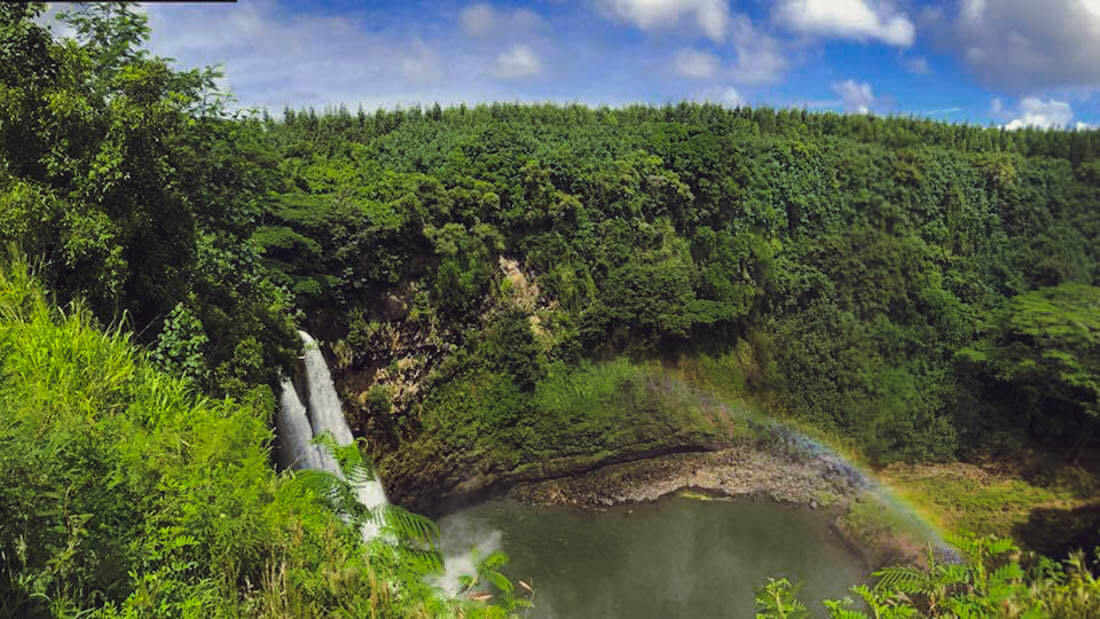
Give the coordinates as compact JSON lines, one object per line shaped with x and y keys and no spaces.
{"x":292,"y":426}
{"x":297,"y":424}
{"x":326,"y":412}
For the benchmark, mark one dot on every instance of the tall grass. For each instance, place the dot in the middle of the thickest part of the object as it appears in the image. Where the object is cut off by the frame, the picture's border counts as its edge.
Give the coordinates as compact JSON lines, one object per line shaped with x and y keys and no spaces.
{"x":125,"y":493}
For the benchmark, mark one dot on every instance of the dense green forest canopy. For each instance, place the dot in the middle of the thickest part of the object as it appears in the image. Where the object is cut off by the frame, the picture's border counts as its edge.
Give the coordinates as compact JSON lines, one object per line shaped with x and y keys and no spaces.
{"x":922,"y":290}
{"x":862,"y":253}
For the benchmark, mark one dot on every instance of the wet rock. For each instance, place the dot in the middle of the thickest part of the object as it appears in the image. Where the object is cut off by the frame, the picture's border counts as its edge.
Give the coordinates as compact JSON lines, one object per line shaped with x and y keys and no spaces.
{"x":392,"y":308}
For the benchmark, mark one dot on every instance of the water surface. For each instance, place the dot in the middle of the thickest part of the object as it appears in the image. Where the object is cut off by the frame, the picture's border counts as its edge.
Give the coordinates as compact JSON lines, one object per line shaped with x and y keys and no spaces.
{"x":677,"y":557}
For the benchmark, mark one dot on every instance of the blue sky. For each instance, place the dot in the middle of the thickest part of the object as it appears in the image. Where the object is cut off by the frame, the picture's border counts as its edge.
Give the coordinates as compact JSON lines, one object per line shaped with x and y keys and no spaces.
{"x":1005,"y":62}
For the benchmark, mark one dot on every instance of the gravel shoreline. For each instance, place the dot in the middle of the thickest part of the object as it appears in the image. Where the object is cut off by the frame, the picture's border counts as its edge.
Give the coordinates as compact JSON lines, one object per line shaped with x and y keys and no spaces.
{"x":819,"y":481}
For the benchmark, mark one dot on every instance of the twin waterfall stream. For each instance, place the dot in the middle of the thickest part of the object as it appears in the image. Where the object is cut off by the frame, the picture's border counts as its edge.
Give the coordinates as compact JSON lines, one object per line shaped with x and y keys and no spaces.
{"x":312,"y":408}
{"x":299,"y":422}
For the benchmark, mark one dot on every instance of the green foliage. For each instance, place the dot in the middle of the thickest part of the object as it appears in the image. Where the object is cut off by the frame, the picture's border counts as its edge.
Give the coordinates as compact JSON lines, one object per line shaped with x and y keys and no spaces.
{"x":180,"y":345}
{"x":487,"y":573}
{"x":992,"y":579}
{"x":463,"y":274}
{"x":905,"y":283}
{"x":137,"y":497}
{"x":135,"y":189}
{"x":510,"y":348}
{"x":379,"y":402}
{"x":1044,"y":346}
{"x":864,"y":252}
{"x":577,"y":416}
{"x":775,"y":599}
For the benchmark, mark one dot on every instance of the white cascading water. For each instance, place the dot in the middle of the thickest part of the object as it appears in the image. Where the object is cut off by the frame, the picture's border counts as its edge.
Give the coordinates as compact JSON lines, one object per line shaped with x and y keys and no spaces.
{"x":292,"y":425}
{"x":298,"y":425}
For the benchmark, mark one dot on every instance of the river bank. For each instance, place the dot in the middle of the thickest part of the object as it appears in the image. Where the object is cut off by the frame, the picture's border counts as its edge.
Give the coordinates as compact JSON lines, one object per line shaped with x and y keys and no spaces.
{"x":862,"y":514}
{"x":732,"y":471}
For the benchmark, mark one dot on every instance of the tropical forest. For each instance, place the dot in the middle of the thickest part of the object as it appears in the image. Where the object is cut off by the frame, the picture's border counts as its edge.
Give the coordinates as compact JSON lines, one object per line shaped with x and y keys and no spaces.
{"x":504,"y":358}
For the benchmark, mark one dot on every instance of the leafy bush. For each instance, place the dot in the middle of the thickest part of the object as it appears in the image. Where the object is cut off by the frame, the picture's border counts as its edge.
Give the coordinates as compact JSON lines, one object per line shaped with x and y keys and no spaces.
{"x":993,"y":579}
{"x":131,"y":495}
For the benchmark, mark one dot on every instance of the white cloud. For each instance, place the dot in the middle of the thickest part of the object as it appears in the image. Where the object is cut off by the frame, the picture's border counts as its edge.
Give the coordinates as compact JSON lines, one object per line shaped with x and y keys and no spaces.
{"x":760,"y":57}
{"x":1080,"y":126}
{"x":997,"y":107}
{"x":57,"y":28}
{"x":477,"y":19}
{"x":519,"y":61}
{"x":695,"y":64}
{"x":855,"y":96}
{"x":861,"y":20}
{"x":972,"y":9}
{"x":711,"y":16}
{"x":275,"y":57}
{"x":481,"y":20}
{"x":421,"y":64}
{"x":1025,"y":46}
{"x":918,"y":65}
{"x":725,"y":96}
{"x":1035,"y":112}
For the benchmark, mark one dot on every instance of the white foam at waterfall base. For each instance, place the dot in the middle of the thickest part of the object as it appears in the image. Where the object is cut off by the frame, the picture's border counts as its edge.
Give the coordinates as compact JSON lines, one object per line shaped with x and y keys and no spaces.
{"x":461,"y":535}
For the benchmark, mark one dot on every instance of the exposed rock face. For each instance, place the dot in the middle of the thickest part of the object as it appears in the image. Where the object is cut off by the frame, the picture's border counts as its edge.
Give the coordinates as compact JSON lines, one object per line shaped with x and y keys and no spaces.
{"x":395,"y":358}
{"x":396,"y":349}
{"x":398,"y":358}
{"x":525,"y":293}
{"x":393,"y":308}
{"x":435,"y":486}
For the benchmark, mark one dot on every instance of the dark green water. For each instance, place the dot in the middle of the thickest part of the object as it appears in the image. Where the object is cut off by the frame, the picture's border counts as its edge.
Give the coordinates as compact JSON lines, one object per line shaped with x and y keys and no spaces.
{"x":677,"y":557}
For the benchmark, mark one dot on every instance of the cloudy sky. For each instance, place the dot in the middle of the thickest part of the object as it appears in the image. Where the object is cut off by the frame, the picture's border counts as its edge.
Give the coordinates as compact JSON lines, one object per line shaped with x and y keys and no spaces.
{"x":1005,"y":62}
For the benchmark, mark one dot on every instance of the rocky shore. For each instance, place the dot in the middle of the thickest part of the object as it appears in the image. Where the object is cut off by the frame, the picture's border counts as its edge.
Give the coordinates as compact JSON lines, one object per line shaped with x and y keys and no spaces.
{"x":734,"y":471}
{"x":853,"y":504}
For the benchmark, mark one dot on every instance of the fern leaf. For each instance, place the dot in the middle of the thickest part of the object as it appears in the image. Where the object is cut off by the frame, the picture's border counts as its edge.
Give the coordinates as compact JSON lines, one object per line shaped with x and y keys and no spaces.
{"x":1001,"y":546}
{"x":1007,"y":573}
{"x":838,"y":609}
{"x":409,"y":527}
{"x":903,"y":578}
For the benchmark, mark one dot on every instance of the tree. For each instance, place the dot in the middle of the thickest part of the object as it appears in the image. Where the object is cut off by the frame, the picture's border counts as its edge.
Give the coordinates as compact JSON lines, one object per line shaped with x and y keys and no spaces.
{"x":1045,"y":344}
{"x":137,"y":192}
